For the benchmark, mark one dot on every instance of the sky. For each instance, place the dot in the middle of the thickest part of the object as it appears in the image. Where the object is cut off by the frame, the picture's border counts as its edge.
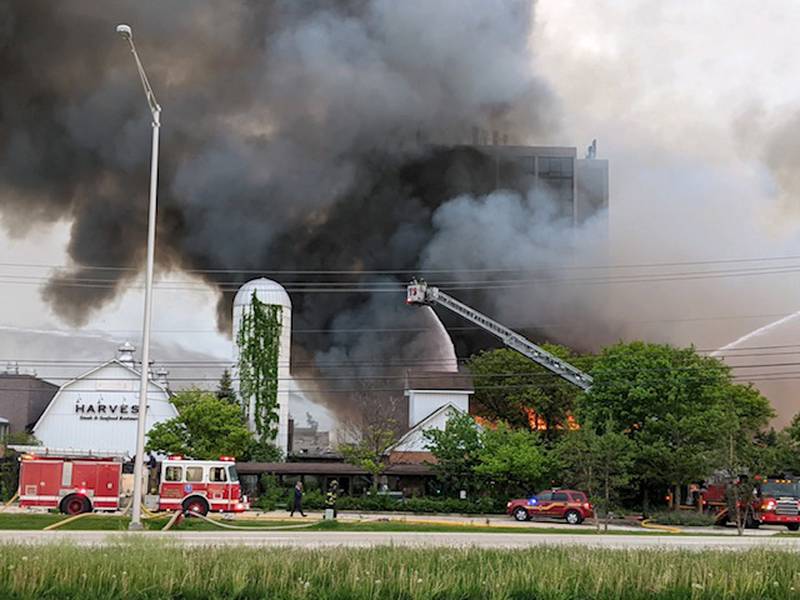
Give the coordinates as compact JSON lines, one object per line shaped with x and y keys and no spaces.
{"x":688,"y":102}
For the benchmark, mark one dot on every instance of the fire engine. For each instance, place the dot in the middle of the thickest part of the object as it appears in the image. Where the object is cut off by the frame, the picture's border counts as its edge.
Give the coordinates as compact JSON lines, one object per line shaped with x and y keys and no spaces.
{"x":78,"y":484}
{"x":776,"y":502}
{"x":198,"y":486}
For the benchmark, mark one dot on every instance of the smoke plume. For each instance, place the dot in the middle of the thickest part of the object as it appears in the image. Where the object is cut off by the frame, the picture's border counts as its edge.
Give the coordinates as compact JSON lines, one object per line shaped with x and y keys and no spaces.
{"x":309,"y":136}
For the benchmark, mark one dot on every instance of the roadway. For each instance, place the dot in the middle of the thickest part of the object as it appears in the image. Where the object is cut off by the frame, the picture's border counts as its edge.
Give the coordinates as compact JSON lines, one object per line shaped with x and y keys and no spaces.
{"x":320,"y":539}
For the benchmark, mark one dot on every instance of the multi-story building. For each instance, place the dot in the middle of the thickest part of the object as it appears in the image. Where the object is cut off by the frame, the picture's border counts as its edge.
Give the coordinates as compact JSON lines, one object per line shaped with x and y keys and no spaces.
{"x":577,"y":186}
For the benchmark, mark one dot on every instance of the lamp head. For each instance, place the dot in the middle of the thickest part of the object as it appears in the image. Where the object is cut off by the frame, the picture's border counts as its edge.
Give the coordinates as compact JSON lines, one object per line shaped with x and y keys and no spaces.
{"x":125,"y":31}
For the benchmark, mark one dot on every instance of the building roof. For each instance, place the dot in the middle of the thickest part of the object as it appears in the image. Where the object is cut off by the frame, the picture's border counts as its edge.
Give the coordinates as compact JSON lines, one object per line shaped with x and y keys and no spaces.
{"x":266,"y":290}
{"x":424,"y":424}
{"x":439,"y":380}
{"x":65,"y":386}
{"x":326,"y":468}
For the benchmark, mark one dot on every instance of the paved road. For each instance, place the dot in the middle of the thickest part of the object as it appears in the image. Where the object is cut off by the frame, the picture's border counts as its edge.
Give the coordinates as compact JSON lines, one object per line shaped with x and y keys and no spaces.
{"x":317,"y":539}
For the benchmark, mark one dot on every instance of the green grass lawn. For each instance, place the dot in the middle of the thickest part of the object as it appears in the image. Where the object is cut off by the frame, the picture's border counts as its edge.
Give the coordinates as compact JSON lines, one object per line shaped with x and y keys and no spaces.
{"x":117,"y":523}
{"x":145,"y":570}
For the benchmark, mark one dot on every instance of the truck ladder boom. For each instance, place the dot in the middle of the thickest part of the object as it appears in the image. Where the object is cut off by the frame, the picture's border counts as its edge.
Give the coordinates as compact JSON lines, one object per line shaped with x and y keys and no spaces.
{"x":422,"y":294}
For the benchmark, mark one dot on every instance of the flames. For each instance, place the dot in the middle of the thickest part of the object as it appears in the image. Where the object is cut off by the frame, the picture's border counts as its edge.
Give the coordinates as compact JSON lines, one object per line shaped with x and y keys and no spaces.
{"x":537,"y":423}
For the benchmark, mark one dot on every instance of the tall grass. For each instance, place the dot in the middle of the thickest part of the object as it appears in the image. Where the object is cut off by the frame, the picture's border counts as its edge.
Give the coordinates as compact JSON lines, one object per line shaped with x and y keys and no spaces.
{"x":146,"y":570}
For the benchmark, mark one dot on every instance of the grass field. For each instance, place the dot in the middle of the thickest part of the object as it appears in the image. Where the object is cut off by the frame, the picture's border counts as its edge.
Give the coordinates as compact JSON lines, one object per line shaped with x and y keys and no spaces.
{"x":147,"y":571}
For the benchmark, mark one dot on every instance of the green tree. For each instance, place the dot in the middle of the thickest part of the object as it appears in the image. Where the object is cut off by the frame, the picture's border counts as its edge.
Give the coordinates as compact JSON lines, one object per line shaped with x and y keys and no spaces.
{"x":667,"y":400}
{"x":456,"y":449}
{"x":741,"y":454}
{"x":225,"y":389}
{"x":509,"y":385}
{"x":512,"y":461}
{"x":600,"y":463}
{"x":205,"y":428}
{"x":259,"y":346}
{"x":368,"y":452}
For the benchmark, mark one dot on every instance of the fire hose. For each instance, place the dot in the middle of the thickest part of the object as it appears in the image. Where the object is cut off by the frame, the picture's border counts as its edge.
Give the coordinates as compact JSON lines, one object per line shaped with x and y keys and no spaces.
{"x":10,"y":502}
{"x":237,"y":528}
{"x":58,"y":524}
{"x":648,"y":525}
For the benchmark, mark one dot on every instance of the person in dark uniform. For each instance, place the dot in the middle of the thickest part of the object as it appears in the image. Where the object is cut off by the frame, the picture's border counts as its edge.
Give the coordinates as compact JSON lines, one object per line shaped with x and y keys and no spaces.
{"x":330,"y":497}
{"x":298,"y":500}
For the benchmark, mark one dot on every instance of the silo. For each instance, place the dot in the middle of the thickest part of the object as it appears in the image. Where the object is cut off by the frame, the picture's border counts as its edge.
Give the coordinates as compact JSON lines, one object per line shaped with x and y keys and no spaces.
{"x":270,"y":293}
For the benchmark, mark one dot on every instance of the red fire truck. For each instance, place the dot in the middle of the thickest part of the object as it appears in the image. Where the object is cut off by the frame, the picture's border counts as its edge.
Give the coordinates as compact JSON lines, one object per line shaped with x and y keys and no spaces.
{"x":199,"y":486}
{"x":73,"y":485}
{"x":82,"y":484}
{"x":776,"y":502}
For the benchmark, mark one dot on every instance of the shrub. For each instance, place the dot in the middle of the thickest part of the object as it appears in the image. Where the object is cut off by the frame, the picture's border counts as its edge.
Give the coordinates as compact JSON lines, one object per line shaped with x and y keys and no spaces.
{"x":683,"y":518}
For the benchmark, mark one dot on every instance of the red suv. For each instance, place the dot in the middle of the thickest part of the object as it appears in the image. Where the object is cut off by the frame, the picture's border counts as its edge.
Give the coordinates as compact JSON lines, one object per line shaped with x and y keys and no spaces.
{"x":570,"y":505}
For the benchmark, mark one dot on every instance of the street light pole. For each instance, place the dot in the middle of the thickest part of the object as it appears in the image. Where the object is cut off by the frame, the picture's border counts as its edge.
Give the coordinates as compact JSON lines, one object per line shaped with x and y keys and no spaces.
{"x":155,"y":109}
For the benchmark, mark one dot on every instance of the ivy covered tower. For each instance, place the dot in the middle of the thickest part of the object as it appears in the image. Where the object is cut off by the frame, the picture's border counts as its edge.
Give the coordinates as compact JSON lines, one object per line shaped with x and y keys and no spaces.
{"x":262,"y":331}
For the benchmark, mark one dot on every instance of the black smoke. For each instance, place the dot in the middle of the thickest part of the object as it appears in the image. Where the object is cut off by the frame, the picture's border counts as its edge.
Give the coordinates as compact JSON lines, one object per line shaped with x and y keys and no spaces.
{"x":296,"y":136}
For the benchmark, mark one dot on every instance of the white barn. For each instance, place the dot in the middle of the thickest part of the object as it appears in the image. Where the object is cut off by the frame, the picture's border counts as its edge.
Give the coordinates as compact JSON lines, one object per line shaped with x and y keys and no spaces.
{"x":98,"y":410}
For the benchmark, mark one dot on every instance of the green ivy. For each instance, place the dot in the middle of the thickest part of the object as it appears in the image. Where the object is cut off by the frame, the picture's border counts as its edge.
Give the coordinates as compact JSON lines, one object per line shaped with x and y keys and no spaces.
{"x":259,"y":346}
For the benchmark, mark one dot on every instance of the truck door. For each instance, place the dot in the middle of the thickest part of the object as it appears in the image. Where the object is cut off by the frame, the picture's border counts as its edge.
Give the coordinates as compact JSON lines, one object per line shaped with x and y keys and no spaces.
{"x":559,"y":505}
{"x":542,"y":505}
{"x":218,"y":488}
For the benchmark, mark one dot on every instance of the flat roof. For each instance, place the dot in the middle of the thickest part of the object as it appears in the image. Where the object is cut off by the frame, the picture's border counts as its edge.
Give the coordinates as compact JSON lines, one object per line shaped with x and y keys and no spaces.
{"x":326,"y":468}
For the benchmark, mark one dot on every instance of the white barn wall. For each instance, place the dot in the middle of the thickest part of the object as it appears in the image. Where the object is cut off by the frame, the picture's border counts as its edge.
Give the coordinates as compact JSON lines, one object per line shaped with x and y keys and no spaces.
{"x":112,"y":392}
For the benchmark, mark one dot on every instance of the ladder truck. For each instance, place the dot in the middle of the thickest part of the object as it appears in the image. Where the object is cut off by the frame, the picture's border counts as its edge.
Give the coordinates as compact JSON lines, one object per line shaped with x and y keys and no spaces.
{"x":420,"y":293}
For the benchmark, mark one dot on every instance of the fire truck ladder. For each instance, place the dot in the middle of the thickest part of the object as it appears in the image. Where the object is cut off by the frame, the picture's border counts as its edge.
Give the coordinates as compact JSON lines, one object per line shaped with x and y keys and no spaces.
{"x":421,"y":294}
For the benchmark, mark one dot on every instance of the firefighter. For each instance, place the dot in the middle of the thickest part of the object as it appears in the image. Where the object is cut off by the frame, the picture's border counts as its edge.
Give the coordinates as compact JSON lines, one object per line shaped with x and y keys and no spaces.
{"x":330,"y":497}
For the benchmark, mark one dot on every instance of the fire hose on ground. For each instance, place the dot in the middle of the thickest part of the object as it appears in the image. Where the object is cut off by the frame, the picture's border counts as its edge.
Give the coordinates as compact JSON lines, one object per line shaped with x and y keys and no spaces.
{"x":10,"y":502}
{"x":58,"y":524}
{"x":238,"y":528}
{"x":648,"y":525}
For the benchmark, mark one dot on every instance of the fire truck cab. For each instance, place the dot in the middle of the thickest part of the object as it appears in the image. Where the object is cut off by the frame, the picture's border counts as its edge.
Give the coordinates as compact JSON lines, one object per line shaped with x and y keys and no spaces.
{"x":776,"y":502}
{"x":199,"y":486}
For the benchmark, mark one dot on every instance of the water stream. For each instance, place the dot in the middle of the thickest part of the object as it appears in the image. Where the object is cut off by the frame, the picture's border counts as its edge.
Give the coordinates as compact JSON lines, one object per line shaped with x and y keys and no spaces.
{"x":756,"y":333}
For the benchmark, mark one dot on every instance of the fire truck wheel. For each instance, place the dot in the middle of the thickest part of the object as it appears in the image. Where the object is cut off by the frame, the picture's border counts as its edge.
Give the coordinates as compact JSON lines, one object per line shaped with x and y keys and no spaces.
{"x":196,"y":504}
{"x":521,"y":514}
{"x":793,"y":526}
{"x":751,"y":523}
{"x":75,"y":505}
{"x":573,"y":517}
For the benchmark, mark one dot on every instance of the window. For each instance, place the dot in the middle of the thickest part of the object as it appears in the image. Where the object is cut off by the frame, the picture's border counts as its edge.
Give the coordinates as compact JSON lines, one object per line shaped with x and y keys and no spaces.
{"x":194,"y":474}
{"x":216,"y":474}
{"x":560,"y":497}
{"x":578,"y":497}
{"x":544,"y":497}
{"x":556,"y":166}
{"x":234,"y":476}
{"x":173,"y":474}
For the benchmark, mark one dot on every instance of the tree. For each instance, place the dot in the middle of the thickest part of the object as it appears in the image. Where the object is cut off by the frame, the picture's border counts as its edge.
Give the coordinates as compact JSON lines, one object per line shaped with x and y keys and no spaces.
{"x":259,"y":347}
{"x":667,"y":401}
{"x":456,"y":449}
{"x":225,"y":389}
{"x":368,"y":452}
{"x":512,"y":461}
{"x":600,"y":463}
{"x":740,"y":455}
{"x":205,"y":428}
{"x":372,"y":432}
{"x":511,"y":387}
